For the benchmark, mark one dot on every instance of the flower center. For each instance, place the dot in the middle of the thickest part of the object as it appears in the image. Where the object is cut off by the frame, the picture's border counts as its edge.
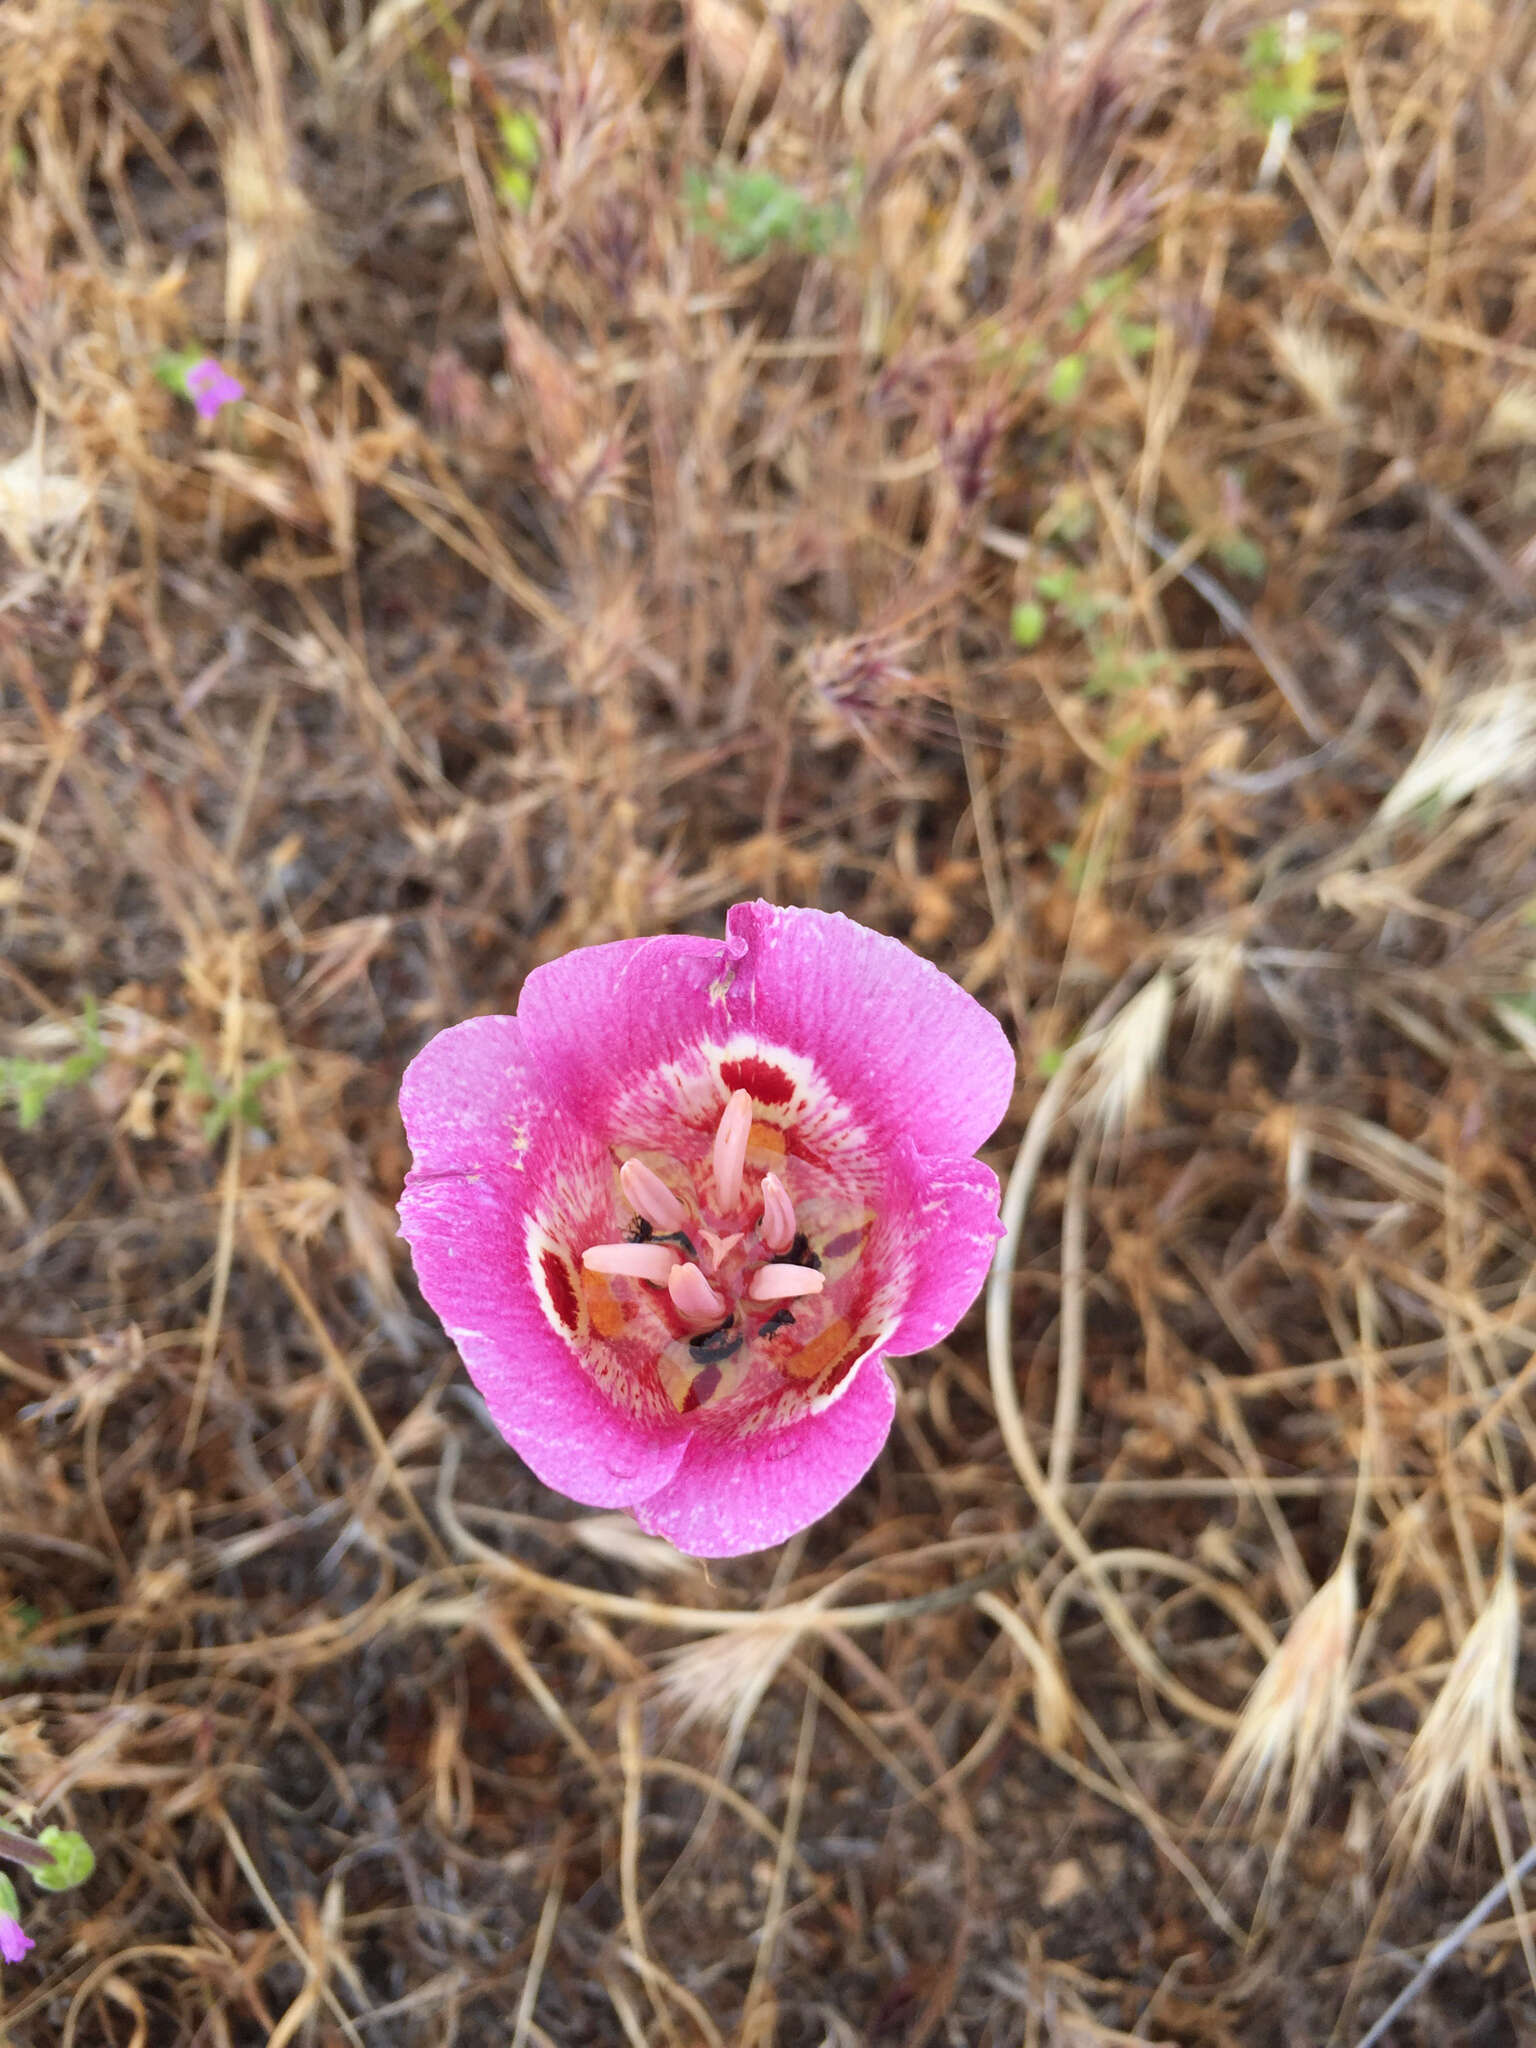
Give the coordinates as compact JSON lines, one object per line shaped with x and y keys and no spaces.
{"x":717,"y":1276}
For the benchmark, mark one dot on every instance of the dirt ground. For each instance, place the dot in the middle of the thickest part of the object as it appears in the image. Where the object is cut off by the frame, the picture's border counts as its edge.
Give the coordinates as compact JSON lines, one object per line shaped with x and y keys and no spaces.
{"x":1054,"y":481}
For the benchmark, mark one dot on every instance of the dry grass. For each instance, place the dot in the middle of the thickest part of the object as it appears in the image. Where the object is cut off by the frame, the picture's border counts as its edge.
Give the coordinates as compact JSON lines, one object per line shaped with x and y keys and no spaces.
{"x":1055,"y":481}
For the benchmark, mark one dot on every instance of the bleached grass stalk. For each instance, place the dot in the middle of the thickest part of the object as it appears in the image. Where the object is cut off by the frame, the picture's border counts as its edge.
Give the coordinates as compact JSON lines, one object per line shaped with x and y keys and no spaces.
{"x":1447,"y":1946}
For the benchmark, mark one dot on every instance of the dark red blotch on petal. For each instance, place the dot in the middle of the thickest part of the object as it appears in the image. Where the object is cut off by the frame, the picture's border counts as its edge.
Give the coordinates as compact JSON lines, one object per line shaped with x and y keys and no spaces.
{"x":562,"y":1291}
{"x":763,"y":1081}
{"x":702,"y":1389}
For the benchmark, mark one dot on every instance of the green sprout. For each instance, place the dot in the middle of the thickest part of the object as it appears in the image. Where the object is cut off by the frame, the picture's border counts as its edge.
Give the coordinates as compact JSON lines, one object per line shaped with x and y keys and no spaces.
{"x":30,"y":1085}
{"x":521,"y":154}
{"x":1282,"y":75}
{"x":73,"y":1860}
{"x":747,"y":213}
{"x":243,"y":1100}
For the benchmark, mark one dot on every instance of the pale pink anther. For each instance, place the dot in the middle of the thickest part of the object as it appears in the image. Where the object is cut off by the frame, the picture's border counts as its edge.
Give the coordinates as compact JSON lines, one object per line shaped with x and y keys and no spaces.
{"x":653,"y":1262}
{"x":649,"y":1196}
{"x":718,"y":1249}
{"x":731,"y":1149}
{"x":695,"y":1300}
{"x":778,"y":1226}
{"x":782,"y":1283}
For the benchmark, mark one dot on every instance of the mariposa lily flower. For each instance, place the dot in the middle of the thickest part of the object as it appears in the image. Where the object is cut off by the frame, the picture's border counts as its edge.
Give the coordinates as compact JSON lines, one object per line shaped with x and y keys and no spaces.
{"x":676,"y":1212}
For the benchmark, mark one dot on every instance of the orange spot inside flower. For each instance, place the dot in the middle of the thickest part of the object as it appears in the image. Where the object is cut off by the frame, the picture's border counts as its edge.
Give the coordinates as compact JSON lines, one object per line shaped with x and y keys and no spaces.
{"x":608,"y":1315}
{"x":765,"y":1138}
{"x":822,"y":1351}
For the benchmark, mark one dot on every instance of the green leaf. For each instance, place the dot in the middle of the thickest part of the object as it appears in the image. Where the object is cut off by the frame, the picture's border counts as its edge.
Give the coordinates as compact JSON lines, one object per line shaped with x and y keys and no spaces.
{"x":73,"y":1860}
{"x":515,"y":186}
{"x":10,"y":1905}
{"x":747,"y":213}
{"x":1066,"y":379}
{"x":1137,"y":337}
{"x":1244,"y":557}
{"x":520,"y":138}
{"x":1026,"y":623}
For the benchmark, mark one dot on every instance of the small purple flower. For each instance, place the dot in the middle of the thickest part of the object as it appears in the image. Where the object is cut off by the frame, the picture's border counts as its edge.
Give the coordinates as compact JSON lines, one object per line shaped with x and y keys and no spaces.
{"x":211,"y":387}
{"x":14,"y":1939}
{"x":676,"y":1212}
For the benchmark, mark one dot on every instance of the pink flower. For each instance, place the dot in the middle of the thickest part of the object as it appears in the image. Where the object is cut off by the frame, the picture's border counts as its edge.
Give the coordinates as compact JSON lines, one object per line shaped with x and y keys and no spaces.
{"x":14,"y":1939}
{"x":211,"y":387}
{"x":677,"y":1210}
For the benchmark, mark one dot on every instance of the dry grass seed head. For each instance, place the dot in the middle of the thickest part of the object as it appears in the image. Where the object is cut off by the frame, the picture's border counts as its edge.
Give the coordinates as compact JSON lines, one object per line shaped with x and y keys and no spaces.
{"x":1322,"y":370}
{"x":1486,"y":742}
{"x":1128,"y":1058}
{"x":722,"y":1679}
{"x":1292,"y":1724}
{"x":1471,"y":1735}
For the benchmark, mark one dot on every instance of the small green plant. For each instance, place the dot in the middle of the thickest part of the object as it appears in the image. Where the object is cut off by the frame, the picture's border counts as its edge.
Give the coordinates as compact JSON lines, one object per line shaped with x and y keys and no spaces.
{"x":223,"y":1101}
{"x":1240,"y":555}
{"x":73,"y":1860}
{"x":57,"y":1861}
{"x":1027,"y":623}
{"x":1066,"y":379}
{"x":30,"y":1085}
{"x":1282,"y":75}
{"x":521,"y":153}
{"x":747,"y":213}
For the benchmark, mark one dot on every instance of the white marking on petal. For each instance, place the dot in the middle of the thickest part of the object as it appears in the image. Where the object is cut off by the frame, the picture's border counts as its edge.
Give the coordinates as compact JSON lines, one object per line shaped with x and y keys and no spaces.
{"x":778,"y":1225}
{"x":693,"y":1296}
{"x":731,"y":1148}
{"x":784,"y":1283}
{"x":649,"y":1196}
{"x":653,"y":1262}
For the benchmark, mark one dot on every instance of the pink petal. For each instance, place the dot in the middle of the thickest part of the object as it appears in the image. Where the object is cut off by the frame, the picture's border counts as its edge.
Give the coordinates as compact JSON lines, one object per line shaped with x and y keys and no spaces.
{"x":470,"y":1099}
{"x":467,"y":1242}
{"x":596,"y":1018}
{"x":949,"y":1226}
{"x":486,"y":1142}
{"x":729,"y":1496}
{"x":904,"y":1045}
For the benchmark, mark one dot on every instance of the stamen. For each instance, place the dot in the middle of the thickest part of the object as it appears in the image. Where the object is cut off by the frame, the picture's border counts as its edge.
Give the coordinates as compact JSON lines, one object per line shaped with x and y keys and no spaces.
{"x":778,"y":1226}
{"x":692,"y":1295}
{"x":731,"y":1149}
{"x":649,"y":1196}
{"x":653,"y":1262}
{"x":781,"y":1283}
